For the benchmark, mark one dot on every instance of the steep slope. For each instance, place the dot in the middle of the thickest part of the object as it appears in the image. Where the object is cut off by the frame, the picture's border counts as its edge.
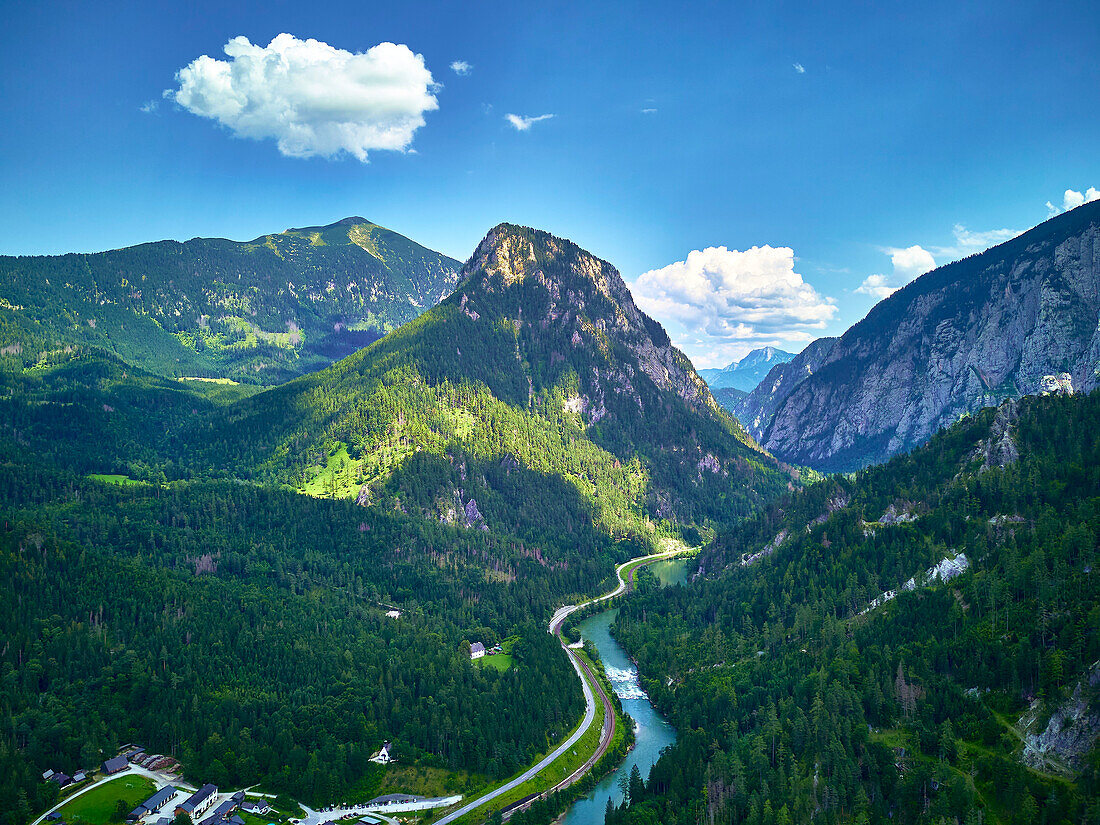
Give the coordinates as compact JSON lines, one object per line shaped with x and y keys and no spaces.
{"x":914,"y":644}
{"x":535,"y":397}
{"x":1002,"y":324}
{"x":259,"y":312}
{"x":728,"y":397}
{"x":756,"y":410}
{"x":745,"y":374}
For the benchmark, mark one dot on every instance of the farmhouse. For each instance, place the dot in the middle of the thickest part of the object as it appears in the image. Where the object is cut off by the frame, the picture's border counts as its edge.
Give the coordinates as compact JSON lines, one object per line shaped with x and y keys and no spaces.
{"x":152,"y":804}
{"x":112,"y":766}
{"x":198,"y":802}
{"x":477,"y":650}
{"x":259,"y":807}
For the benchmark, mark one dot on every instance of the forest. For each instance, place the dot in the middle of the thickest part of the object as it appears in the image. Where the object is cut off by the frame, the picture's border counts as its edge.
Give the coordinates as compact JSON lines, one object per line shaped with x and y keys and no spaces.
{"x":793,"y":703}
{"x":259,"y":312}
{"x":244,"y":630}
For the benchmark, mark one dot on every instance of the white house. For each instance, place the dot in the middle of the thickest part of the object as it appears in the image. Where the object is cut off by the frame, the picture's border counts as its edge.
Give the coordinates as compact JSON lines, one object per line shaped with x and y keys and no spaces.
{"x":477,"y":650}
{"x":384,"y":756}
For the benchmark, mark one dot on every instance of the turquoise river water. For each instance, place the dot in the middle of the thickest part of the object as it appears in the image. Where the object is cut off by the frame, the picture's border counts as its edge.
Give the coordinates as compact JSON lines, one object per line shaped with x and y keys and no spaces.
{"x":652,"y":732}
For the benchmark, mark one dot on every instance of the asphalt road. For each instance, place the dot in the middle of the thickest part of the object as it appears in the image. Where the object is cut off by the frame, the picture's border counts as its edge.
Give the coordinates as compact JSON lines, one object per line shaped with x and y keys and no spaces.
{"x":589,"y":701}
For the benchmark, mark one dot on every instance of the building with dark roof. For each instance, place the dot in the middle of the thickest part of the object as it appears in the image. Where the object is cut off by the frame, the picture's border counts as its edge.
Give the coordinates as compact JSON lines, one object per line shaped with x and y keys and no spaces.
{"x":118,"y":763}
{"x":61,"y":779}
{"x":152,"y":804}
{"x":199,"y":801}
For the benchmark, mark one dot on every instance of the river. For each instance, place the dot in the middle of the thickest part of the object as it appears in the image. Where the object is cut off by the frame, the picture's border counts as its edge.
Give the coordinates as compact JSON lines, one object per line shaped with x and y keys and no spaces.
{"x":652,"y":732}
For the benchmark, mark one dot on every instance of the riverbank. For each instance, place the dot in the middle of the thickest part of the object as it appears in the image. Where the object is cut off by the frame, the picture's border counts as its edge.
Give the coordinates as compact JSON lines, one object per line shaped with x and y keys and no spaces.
{"x":568,"y":751}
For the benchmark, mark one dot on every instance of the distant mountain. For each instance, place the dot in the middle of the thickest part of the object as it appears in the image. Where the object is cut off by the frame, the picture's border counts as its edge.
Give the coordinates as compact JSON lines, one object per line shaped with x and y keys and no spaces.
{"x":537,"y":397}
{"x":1008,"y":322}
{"x":258,"y":312}
{"x":756,"y":408}
{"x":745,"y":374}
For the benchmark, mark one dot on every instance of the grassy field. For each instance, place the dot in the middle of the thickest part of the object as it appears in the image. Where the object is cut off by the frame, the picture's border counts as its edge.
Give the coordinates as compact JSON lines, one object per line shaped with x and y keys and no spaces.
{"x":97,"y":807}
{"x":501,"y":661}
{"x":115,"y":478}
{"x":424,"y":781}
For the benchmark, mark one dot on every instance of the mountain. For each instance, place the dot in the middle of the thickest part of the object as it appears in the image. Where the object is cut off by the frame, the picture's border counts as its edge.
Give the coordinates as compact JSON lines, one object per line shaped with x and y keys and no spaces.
{"x":1006,"y":323}
{"x":756,"y":408}
{"x":472,"y":470}
{"x":745,"y":374}
{"x":728,"y":397}
{"x":915,"y":643}
{"x":537,"y":397}
{"x":258,"y":312}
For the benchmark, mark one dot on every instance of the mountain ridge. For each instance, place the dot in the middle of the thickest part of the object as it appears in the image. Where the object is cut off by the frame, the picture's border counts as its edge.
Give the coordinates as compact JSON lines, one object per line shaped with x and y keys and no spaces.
{"x":259,"y":311}
{"x":746,"y":373}
{"x":961,"y":337}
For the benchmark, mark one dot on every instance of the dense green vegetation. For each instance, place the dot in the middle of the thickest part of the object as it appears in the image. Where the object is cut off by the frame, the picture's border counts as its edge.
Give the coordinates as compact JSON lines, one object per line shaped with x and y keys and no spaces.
{"x":260,"y":312}
{"x":244,"y":630}
{"x":499,"y":381}
{"x":793,"y":706}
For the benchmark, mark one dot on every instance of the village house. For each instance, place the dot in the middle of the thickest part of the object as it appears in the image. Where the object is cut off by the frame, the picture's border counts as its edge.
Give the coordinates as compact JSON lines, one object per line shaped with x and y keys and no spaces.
{"x":259,"y":807}
{"x":152,"y":804}
{"x":198,"y":802}
{"x":113,"y":766}
{"x":477,"y":650}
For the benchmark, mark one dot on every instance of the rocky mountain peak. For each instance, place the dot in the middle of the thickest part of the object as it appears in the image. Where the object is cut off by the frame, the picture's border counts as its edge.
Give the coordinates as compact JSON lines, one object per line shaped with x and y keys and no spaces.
{"x":560,"y":291}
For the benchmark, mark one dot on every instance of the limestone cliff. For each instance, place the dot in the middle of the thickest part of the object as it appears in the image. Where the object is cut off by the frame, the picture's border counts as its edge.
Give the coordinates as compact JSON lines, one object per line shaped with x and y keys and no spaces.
{"x":1018,"y":319}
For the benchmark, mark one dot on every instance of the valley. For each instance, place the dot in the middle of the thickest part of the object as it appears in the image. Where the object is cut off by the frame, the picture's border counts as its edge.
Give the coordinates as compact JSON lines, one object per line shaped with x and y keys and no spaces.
{"x":266,"y":582}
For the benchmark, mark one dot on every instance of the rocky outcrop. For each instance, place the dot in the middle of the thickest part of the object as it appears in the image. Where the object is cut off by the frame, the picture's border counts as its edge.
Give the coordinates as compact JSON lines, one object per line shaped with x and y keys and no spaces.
{"x":1071,"y":732}
{"x":999,"y":450}
{"x":968,"y":335}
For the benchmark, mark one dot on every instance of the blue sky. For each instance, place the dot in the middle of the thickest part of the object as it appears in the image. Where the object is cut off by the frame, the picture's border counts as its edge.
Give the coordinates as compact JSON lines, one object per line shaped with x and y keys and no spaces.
{"x":853,"y":144}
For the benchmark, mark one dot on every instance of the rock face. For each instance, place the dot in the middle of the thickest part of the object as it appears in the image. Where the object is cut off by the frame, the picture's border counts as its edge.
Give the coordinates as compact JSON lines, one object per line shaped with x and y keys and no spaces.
{"x":755,"y":412}
{"x":745,"y":374}
{"x":1063,"y":745}
{"x":576,"y":291}
{"x":1018,"y":319}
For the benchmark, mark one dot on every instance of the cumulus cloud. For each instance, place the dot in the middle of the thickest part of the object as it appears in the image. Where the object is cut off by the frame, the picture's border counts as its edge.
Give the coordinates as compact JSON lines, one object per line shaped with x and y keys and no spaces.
{"x":735,"y":297}
{"x":1072,"y":199}
{"x":149,"y":107}
{"x":312,"y":98}
{"x":798,"y":67}
{"x":461,"y":68}
{"x":522,"y":123}
{"x":908,"y":264}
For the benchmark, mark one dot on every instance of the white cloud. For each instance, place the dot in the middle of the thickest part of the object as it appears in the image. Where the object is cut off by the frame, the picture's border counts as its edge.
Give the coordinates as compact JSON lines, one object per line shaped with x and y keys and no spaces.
{"x":461,"y":68}
{"x":149,"y":107}
{"x":313,"y":99}
{"x":649,"y":111}
{"x":522,"y":124}
{"x":734,"y":298}
{"x":968,"y":242}
{"x":908,"y":263}
{"x":1071,"y":199}
{"x":798,"y":67}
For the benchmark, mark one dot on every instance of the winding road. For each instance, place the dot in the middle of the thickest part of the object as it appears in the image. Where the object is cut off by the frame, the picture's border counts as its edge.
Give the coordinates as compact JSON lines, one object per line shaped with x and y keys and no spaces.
{"x":588,"y":683}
